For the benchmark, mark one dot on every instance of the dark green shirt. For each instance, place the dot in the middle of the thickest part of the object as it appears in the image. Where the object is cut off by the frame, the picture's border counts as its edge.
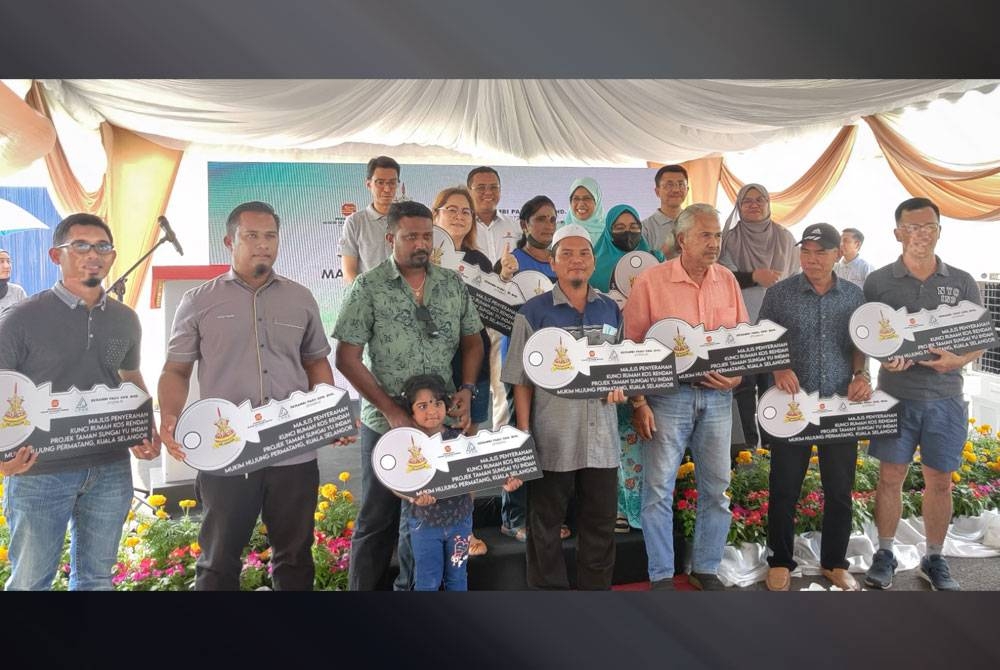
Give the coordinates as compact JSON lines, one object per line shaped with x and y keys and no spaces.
{"x":379,"y":313}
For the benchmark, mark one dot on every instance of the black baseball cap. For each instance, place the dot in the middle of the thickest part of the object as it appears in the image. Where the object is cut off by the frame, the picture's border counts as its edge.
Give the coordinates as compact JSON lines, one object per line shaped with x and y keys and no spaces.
{"x":823,"y":233}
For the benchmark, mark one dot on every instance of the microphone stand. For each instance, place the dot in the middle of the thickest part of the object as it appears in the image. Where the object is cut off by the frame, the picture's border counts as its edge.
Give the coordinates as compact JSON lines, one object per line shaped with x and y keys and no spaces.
{"x":118,"y":288}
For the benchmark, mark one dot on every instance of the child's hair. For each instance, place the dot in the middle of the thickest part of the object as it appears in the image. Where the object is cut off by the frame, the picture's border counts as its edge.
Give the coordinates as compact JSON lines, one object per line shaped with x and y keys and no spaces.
{"x":417,"y":383}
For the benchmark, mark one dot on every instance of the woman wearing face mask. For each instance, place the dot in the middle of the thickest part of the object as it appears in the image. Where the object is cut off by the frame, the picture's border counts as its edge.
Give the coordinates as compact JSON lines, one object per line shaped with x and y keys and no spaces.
{"x":760,"y":253}
{"x":622,"y":234}
{"x":585,"y":208}
{"x":538,"y":225}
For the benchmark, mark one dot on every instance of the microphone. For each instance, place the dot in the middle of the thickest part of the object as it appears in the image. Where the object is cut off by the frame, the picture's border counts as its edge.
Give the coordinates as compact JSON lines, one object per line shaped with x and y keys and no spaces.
{"x":168,"y":232}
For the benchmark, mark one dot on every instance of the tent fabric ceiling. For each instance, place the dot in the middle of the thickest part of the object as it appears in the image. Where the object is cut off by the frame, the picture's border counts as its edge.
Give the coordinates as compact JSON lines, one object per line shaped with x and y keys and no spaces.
{"x":510,"y":121}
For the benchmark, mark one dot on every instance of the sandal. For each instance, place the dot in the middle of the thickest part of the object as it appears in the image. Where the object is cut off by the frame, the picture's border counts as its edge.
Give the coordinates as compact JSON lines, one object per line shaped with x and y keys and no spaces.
{"x":477,"y":547}
{"x":621,"y":525}
{"x":519,"y":534}
{"x":564,"y":532}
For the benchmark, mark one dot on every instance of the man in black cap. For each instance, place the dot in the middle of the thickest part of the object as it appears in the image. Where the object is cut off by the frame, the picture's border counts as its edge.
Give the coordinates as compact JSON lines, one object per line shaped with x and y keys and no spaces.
{"x":815,"y":307}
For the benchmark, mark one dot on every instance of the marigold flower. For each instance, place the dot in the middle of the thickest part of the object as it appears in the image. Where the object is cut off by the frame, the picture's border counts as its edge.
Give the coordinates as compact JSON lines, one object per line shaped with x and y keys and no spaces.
{"x":161,"y":514}
{"x":142,"y":528}
{"x":187,"y":504}
{"x":966,"y":468}
{"x":195,"y":548}
{"x":3,"y":554}
{"x":130,"y":515}
{"x":3,"y":521}
{"x":350,"y":525}
{"x":319,"y":516}
{"x":323,"y":505}
{"x":131,"y":541}
{"x":762,"y":452}
{"x":265,"y":554}
{"x":970,"y":456}
{"x":744,"y":457}
{"x":348,"y":496}
{"x":344,"y":476}
{"x":328,"y":491}
{"x":263,"y":529}
{"x":968,"y":446}
{"x":157,"y":500}
{"x":972,"y":422}
{"x":955,"y":477}
{"x":813,"y":460}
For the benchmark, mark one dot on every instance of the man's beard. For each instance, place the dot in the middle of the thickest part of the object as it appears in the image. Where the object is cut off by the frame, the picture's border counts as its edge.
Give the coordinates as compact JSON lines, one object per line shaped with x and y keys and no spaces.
{"x":92,"y":282}
{"x":577,"y":283}
{"x":260,"y":270}
{"x":419,"y":259}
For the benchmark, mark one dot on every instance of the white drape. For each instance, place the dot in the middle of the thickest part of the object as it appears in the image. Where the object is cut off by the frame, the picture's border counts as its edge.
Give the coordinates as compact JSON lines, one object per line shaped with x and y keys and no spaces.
{"x":539,"y":122}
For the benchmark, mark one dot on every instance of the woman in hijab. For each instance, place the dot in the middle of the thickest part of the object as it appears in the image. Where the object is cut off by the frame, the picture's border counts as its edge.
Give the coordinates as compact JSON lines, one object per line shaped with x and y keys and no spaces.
{"x":585,"y":207}
{"x":622,"y":233}
{"x":10,"y":293}
{"x":760,"y":253}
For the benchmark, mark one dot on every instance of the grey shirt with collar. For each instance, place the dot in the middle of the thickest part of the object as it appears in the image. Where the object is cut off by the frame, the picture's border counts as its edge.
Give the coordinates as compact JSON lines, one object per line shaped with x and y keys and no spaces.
{"x":363,"y":237}
{"x":54,"y":337}
{"x":249,"y":343}
{"x":658,"y":229}
{"x":896,"y":287}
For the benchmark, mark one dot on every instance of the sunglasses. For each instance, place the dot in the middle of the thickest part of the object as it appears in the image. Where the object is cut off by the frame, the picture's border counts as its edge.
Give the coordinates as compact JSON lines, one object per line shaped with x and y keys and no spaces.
{"x":424,"y":316}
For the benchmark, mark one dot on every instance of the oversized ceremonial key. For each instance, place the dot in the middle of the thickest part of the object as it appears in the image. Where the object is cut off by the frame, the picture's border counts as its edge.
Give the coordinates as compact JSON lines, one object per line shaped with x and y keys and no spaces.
{"x":228,"y":439}
{"x":881,"y":331}
{"x":74,"y":422}
{"x":806,"y":417}
{"x":743,"y":349}
{"x":572,"y":368}
{"x":407,"y":460}
{"x":627,"y":269}
{"x":496,"y":301}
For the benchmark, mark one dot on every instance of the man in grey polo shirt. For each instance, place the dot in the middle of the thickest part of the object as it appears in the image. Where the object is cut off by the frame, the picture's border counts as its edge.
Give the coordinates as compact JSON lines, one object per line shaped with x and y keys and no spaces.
{"x":363,"y":243}
{"x":256,"y":336}
{"x":932,"y":412}
{"x":671,"y":187}
{"x":408,"y":317}
{"x":577,"y":439}
{"x":71,"y":335}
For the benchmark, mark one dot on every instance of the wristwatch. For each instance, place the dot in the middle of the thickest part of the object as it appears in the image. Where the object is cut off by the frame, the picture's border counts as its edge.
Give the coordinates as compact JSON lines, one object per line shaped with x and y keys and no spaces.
{"x":864,"y":373}
{"x":471,"y":388}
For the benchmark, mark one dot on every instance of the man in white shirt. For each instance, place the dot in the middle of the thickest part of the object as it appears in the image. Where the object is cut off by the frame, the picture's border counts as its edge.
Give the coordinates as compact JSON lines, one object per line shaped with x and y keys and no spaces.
{"x":363,"y":244}
{"x":852,"y":267}
{"x":494,"y":231}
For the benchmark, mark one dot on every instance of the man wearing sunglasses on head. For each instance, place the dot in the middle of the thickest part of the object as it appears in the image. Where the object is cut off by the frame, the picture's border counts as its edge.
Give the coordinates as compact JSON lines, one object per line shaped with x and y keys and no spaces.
{"x":71,"y":335}
{"x":409,"y":317}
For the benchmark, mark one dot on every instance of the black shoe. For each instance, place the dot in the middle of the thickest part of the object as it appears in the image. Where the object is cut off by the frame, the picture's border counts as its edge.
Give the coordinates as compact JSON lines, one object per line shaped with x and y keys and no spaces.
{"x":706,"y":581}
{"x":935,"y":570}
{"x":665,"y":584}
{"x":879,"y":576}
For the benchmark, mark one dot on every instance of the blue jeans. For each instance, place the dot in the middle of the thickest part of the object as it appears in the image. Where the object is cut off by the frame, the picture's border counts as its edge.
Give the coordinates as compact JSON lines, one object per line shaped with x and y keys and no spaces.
{"x":93,"y":501}
{"x":440,"y":552}
{"x":700,"y":419}
{"x":377,"y":529}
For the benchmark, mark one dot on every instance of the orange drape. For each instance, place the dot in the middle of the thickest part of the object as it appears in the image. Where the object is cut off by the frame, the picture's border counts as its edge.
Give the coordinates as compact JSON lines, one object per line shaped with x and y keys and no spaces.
{"x":25,"y":135}
{"x":790,"y":206}
{"x":703,"y":178}
{"x":972,"y":194}
{"x":133,"y":193}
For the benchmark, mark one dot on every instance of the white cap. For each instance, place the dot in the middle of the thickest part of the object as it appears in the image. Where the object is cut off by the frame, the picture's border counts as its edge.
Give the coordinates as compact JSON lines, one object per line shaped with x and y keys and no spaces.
{"x":572,"y":230}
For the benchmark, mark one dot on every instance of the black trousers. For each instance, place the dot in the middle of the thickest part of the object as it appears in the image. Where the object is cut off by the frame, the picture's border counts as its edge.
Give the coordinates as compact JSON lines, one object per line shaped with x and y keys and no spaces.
{"x":595,"y":491}
{"x":285,"y":499}
{"x":745,"y":395}
{"x":788,"y":468}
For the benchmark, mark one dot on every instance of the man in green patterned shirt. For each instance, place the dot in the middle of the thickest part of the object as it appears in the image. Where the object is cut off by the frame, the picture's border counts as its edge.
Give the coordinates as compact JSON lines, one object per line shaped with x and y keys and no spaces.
{"x":408,"y":316}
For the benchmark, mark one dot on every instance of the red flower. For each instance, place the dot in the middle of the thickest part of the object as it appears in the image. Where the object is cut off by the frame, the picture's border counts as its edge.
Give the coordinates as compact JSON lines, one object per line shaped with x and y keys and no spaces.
{"x":682,"y":504}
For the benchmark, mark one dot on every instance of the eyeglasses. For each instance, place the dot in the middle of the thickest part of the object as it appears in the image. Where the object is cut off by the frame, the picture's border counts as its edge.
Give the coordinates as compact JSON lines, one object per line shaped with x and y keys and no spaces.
{"x":582,"y":198}
{"x":81,"y":247}
{"x":673,"y":184}
{"x":386,"y":183}
{"x":755,"y":201}
{"x":452,"y":210}
{"x":424,"y":316}
{"x":483,"y":188}
{"x":914,"y":228}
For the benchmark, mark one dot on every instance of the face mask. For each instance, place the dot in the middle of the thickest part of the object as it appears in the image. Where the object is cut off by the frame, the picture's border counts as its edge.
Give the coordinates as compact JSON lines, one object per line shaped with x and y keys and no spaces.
{"x":626,"y":241}
{"x":536,"y":244}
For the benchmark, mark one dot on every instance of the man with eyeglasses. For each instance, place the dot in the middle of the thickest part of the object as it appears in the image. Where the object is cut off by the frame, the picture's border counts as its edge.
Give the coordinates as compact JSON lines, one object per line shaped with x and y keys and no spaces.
{"x":256,"y":336}
{"x":407,"y":316}
{"x":71,"y":335}
{"x":10,"y":293}
{"x":494,"y":231}
{"x":362,"y":240}
{"x":933,"y":414}
{"x":671,"y":187}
